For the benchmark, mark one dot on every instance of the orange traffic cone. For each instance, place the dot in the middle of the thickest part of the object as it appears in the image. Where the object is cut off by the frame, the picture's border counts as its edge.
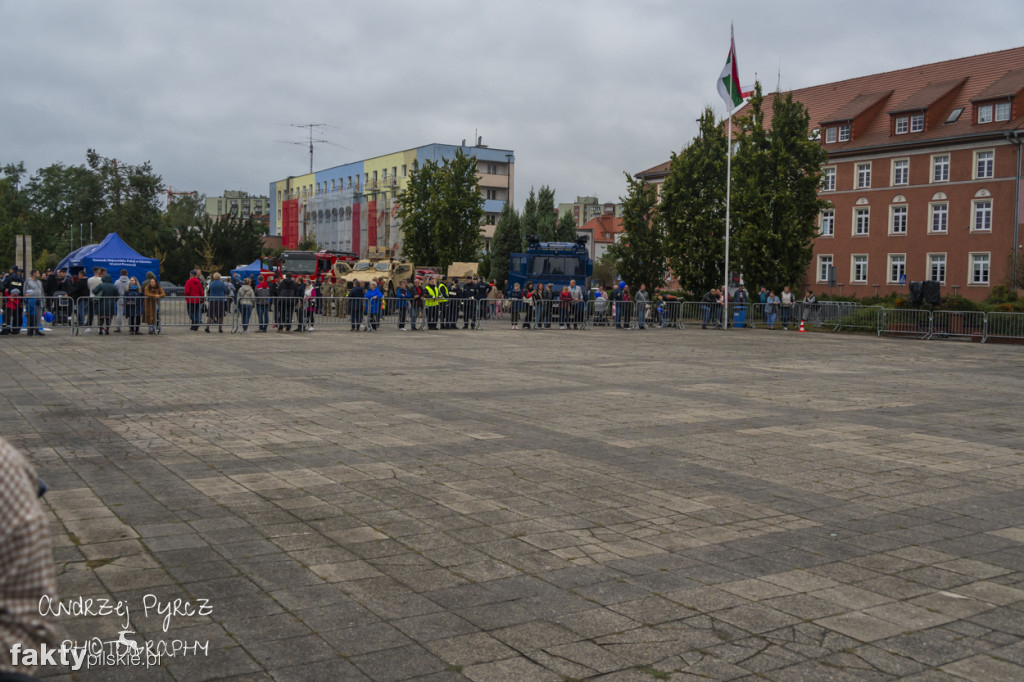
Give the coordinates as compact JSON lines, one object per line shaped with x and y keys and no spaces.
{"x":802,"y":327}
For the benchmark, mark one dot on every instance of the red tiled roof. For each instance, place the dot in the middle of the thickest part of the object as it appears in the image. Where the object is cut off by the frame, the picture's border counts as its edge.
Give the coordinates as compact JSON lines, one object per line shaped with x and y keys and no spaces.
{"x":1010,"y":84}
{"x":928,"y":95}
{"x":653,"y":171}
{"x":603,"y":225}
{"x":994,"y":74}
{"x":857,"y":106}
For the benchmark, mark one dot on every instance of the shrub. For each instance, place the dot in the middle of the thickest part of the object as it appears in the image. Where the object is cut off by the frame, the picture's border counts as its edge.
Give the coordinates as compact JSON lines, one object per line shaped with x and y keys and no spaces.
{"x":1001,"y":294}
{"x":958,"y":303}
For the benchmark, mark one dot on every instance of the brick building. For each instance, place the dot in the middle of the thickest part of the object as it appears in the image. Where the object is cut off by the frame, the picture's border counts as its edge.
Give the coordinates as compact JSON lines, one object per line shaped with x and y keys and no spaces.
{"x":924,"y":176}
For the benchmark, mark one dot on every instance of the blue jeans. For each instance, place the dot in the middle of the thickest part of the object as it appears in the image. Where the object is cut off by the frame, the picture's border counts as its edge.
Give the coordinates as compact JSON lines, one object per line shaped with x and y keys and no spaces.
{"x":785,"y":315}
{"x":263,"y":315}
{"x":246,"y":311}
{"x":195,"y":314}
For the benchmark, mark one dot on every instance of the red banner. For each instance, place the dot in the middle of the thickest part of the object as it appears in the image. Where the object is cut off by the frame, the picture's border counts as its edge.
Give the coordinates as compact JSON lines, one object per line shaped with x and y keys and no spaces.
{"x":290,"y":223}
{"x":356,"y":226}
{"x":371,"y":225}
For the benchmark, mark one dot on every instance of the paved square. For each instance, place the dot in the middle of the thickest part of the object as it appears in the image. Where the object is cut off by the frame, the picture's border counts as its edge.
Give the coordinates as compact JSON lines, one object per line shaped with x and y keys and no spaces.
{"x":501,"y":505}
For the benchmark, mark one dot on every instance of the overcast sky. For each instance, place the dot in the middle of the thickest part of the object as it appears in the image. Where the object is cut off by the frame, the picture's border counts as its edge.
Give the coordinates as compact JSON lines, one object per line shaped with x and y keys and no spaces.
{"x":208,"y":92}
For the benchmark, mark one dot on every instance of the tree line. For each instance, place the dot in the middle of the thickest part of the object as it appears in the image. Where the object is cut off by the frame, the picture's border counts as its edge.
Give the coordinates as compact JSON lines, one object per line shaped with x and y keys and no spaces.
{"x":774,"y":205}
{"x":64,"y":207}
{"x":441,"y":211}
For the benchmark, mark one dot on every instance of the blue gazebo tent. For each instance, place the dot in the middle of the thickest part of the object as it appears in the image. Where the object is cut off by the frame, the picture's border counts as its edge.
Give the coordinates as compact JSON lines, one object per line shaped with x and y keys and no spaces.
{"x":252,"y":270}
{"x":113,"y":254}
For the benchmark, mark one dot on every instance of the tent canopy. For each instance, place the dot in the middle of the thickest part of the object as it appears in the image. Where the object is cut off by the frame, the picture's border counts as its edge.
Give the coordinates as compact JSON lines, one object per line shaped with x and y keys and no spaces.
{"x":252,"y":270}
{"x":113,"y":254}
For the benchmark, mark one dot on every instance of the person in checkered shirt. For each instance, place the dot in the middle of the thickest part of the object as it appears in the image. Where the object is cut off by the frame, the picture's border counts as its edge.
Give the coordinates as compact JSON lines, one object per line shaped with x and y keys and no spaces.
{"x":26,"y":560}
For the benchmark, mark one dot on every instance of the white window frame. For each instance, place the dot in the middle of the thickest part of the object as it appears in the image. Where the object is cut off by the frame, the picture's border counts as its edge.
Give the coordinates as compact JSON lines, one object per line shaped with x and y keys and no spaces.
{"x":917,"y":123}
{"x":973,"y":262}
{"x":854,"y":263}
{"x":827,"y":221}
{"x":902,"y":125}
{"x":981,"y":209}
{"x":828,"y":179}
{"x":984,"y":167}
{"x":824,"y":260}
{"x":830,"y":135}
{"x":901,"y":228}
{"x":938,"y":207}
{"x":984,"y":113}
{"x":940,"y":162}
{"x":844,"y":132}
{"x":932,"y":261}
{"x":860,"y":212}
{"x":894,"y":273}
{"x":1002,"y":111}
{"x":905,"y":168}
{"x":863,"y":175}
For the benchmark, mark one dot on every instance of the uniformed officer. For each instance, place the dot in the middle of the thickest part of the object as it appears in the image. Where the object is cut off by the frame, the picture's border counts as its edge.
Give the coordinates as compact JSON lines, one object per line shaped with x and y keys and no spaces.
{"x":432,"y":302}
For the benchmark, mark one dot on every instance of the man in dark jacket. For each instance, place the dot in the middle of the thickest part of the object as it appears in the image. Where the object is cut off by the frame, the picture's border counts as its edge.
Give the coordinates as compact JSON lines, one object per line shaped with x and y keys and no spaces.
{"x":286,"y":294}
{"x":356,"y":303}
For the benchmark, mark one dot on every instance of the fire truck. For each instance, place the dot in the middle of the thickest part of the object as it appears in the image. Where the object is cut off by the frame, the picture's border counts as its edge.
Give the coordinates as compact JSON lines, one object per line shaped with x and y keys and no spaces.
{"x":304,"y":264}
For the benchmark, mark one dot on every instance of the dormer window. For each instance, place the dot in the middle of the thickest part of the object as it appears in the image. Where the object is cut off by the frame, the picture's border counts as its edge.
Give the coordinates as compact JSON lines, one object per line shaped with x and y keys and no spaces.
{"x":917,"y":123}
{"x":1003,"y":111}
{"x":902,"y":125}
{"x":844,"y":132}
{"x":985,"y":113}
{"x":830,"y":135}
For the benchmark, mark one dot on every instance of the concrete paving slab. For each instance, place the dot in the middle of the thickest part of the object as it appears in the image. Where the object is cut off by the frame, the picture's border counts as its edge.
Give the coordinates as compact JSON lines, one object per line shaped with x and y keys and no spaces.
{"x":497,"y":505}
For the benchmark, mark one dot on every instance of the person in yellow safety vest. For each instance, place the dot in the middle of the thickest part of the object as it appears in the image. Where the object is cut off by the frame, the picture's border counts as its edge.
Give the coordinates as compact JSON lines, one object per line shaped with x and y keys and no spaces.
{"x":446,"y":305}
{"x":431,"y":302}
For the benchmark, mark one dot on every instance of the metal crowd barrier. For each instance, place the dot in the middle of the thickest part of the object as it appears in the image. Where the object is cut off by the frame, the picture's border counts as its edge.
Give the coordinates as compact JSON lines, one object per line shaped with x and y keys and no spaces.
{"x":90,"y":315}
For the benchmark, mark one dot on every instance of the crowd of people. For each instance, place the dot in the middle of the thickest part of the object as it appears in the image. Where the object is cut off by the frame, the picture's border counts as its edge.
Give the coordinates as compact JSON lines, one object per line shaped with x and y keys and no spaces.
{"x":53,"y":297}
{"x":292,"y":304}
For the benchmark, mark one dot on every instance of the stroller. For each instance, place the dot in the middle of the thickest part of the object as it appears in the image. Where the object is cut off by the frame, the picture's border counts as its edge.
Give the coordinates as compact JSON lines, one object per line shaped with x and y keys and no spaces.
{"x":600,"y":312}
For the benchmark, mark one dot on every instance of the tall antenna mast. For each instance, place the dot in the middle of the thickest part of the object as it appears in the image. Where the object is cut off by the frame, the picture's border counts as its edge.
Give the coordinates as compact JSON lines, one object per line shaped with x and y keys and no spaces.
{"x":311,"y":140}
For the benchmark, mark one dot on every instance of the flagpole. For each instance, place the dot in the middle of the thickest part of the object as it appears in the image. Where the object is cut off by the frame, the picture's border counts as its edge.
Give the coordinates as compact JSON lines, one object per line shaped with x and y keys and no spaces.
{"x":728,"y":192}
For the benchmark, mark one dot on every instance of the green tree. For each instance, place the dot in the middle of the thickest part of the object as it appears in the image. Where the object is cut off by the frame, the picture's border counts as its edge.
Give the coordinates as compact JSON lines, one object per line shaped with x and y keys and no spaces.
{"x":528,"y":218}
{"x":693,"y":208}
{"x":441,"y":212}
{"x":15,"y":211}
{"x":776,"y":176}
{"x":639,"y":252}
{"x":508,"y":239}
{"x":308,"y":243}
{"x":565,"y":229}
{"x":131,"y":196}
{"x":62,"y":198}
{"x":547,"y":217}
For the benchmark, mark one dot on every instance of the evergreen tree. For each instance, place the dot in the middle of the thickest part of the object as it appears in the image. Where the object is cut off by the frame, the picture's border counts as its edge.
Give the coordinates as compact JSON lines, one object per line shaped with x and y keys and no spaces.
{"x":528,"y":218}
{"x":508,"y":239}
{"x":639,"y":253}
{"x":693,"y":208}
{"x":441,"y":212}
{"x":565,"y":230}
{"x":776,"y":176}
{"x":547,"y":216}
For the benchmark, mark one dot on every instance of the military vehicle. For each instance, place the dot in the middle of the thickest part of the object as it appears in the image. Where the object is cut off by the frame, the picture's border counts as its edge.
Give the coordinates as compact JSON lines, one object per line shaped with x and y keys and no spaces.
{"x":379,"y":264}
{"x":463,"y":270}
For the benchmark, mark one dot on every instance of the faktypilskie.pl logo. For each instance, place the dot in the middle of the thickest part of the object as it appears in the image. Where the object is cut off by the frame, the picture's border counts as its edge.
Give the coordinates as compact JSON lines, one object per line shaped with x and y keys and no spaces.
{"x":126,"y":649}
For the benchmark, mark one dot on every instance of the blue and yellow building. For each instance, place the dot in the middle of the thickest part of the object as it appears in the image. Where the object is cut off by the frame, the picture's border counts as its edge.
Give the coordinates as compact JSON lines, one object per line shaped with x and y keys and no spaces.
{"x":355,"y":205}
